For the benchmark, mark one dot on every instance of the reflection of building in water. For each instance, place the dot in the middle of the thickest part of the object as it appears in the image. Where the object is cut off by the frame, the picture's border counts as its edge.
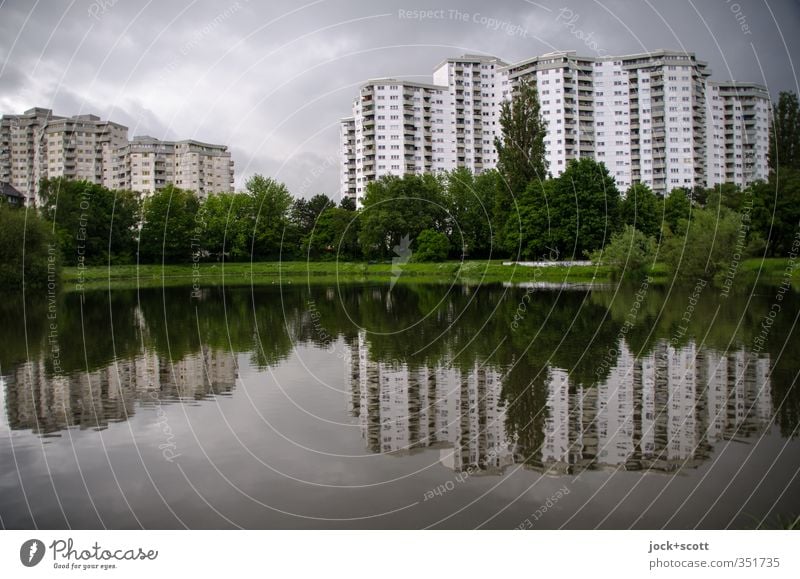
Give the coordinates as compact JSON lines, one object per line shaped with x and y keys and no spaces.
{"x":615,"y":412}
{"x":556,"y":447}
{"x":661,"y":411}
{"x":45,"y":403}
{"x":402,"y":409}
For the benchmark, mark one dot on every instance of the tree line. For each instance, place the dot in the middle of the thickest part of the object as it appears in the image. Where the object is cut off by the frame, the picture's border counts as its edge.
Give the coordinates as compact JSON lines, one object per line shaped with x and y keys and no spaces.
{"x":518,"y":211}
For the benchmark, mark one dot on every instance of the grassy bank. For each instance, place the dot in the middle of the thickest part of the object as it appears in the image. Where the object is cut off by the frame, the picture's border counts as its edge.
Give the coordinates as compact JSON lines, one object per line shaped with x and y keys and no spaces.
{"x":209,"y":274}
{"x":212,"y":274}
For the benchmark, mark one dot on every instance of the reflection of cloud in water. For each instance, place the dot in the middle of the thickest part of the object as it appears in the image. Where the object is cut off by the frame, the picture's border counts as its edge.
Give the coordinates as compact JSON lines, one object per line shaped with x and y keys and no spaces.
{"x":47,"y":404}
{"x":663,"y":411}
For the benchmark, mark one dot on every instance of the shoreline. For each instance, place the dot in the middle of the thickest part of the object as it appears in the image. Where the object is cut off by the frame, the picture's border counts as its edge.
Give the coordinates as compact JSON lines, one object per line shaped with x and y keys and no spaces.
{"x":292,"y":272}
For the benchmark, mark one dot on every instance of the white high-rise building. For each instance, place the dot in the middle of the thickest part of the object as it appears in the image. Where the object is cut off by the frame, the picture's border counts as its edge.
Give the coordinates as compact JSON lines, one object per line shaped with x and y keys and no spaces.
{"x":463,"y":134}
{"x":651,"y":118}
{"x":390,"y":132}
{"x":400,"y":127}
{"x":738,"y":117}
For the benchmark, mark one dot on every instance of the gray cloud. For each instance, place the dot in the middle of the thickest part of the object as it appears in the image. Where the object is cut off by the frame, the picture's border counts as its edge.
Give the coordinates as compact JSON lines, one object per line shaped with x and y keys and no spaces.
{"x":271,"y":79}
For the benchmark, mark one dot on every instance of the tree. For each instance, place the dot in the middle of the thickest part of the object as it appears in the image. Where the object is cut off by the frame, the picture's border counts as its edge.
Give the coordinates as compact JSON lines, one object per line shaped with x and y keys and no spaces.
{"x":677,"y":209}
{"x":488,"y":222}
{"x":271,"y":202}
{"x":520,"y":151}
{"x":784,"y":146}
{"x":642,"y":209}
{"x":228,"y":220}
{"x":348,"y":203}
{"x":776,"y":210}
{"x":630,"y":253}
{"x":171,"y":231}
{"x":431,"y":246}
{"x":707,"y":246}
{"x":394,"y":207}
{"x":335,"y":235}
{"x":306,"y":212}
{"x":26,"y":249}
{"x":470,"y":201}
{"x":520,"y":157}
{"x":727,"y":195}
{"x":534,"y":232}
{"x":93,"y":225}
{"x":579,"y":211}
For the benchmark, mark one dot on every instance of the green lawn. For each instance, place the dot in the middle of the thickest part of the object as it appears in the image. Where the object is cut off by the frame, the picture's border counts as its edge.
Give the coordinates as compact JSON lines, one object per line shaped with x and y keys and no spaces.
{"x":210,"y":274}
{"x":321,"y":272}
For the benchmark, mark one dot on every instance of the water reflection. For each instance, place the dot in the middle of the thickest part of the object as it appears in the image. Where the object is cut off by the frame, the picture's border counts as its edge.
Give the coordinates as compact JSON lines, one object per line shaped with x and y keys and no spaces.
{"x":401,"y":409}
{"x":662,"y":411}
{"x":428,"y":367}
{"x":46,"y":404}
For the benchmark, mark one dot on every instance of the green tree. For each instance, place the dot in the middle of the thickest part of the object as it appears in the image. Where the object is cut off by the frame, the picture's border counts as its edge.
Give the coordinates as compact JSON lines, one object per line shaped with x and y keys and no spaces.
{"x":431,"y":246}
{"x":271,"y":203}
{"x":707,"y":246}
{"x":348,"y":203}
{"x":534,"y":231}
{"x":488,"y":221}
{"x":642,"y":209}
{"x":784,"y":146}
{"x":520,"y":159}
{"x":727,"y":195}
{"x":171,"y":228}
{"x":630,"y":253}
{"x":572,"y":216}
{"x":470,"y":201}
{"x":334,"y":236}
{"x":677,"y":209}
{"x":92,"y":224}
{"x":520,"y":150}
{"x":305,"y":212}
{"x":776,"y":210}
{"x":25,"y":250}
{"x":394,"y":207}
{"x":228,"y":220}
{"x":303,"y":217}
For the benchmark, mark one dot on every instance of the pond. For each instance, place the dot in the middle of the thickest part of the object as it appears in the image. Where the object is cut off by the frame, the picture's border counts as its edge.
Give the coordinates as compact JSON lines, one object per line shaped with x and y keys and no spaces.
{"x":401,"y":406}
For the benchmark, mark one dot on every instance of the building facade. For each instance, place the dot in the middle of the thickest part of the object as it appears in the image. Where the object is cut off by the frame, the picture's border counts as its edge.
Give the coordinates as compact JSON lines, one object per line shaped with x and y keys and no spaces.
{"x":39,"y":144}
{"x":738,"y":137}
{"x":147,"y":165}
{"x":22,"y":151}
{"x":652,"y":118}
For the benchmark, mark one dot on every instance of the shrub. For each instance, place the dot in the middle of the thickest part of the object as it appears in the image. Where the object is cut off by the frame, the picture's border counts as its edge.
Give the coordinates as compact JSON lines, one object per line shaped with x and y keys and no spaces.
{"x":629,"y":253}
{"x":708,"y":246}
{"x":18,"y":226}
{"x":431,"y":246}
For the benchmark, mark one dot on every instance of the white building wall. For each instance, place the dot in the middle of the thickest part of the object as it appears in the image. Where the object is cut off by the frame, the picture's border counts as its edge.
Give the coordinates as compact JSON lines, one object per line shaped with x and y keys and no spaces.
{"x":648,"y":117}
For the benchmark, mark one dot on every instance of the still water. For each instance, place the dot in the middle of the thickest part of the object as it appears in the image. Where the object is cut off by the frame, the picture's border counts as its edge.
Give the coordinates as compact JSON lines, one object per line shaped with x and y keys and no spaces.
{"x":370,"y":406}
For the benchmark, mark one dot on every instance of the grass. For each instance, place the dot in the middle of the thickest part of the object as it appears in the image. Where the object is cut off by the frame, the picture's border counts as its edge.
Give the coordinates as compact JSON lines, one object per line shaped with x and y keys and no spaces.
{"x":265,"y":273}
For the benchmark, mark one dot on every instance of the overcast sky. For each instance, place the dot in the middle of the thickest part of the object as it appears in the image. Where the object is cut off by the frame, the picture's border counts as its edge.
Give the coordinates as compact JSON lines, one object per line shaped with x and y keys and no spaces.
{"x":271,"y":79}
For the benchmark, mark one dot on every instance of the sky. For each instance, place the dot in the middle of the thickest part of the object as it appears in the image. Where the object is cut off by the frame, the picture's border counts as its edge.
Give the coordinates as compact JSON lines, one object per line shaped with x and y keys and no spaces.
{"x":272,"y":79}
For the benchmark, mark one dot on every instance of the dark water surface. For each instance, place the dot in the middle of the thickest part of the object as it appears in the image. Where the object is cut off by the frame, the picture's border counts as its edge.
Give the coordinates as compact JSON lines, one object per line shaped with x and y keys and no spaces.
{"x":412,"y":406}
